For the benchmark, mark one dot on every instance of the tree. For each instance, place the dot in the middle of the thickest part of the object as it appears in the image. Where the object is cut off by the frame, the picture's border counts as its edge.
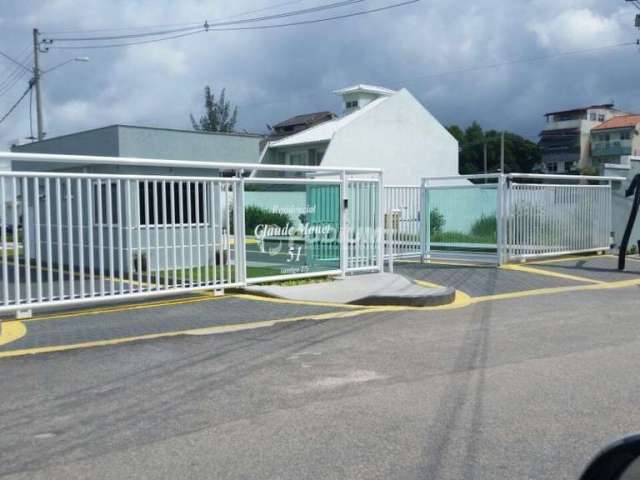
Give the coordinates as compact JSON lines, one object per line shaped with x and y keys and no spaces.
{"x":218,"y":116}
{"x":520,"y":155}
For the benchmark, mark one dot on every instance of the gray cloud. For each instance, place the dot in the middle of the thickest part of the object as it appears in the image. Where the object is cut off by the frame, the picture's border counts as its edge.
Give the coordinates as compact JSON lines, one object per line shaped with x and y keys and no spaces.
{"x":275,"y":74}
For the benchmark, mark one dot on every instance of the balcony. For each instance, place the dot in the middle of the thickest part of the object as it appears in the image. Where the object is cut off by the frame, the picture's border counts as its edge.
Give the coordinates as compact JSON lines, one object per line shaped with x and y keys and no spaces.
{"x":610,"y":149}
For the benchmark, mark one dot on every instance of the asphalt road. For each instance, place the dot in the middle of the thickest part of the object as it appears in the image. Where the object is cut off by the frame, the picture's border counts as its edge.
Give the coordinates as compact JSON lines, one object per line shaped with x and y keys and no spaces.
{"x":527,"y":388}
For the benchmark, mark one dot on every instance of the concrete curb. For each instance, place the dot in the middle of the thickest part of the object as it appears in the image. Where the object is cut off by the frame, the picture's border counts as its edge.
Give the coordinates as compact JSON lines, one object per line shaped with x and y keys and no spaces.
{"x":408,"y":294}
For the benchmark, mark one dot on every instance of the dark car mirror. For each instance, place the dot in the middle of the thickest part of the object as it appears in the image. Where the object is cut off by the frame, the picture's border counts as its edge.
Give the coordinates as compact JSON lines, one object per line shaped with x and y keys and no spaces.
{"x":618,"y":461}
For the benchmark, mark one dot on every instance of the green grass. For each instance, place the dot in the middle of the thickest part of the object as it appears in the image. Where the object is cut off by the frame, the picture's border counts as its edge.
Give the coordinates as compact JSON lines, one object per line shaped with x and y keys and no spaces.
{"x":188,"y":273}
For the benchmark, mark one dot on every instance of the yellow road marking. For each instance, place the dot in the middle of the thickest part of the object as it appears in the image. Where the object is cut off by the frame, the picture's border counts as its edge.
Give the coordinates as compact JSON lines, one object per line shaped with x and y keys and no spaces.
{"x":261,"y":298}
{"x":196,"y":331}
{"x":122,"y":308}
{"x":567,"y":259}
{"x":554,"y":290}
{"x":537,"y":271}
{"x":11,"y":331}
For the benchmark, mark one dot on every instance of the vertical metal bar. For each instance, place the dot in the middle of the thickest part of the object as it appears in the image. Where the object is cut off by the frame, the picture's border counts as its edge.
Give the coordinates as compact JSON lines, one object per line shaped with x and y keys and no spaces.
{"x":4,"y":243}
{"x":174,"y":241}
{"x":80,"y":213}
{"x":70,"y":236}
{"x":128,"y":214}
{"x":16,"y":233}
{"x":140,"y":210}
{"x":119,"y":220}
{"x":197,"y":226}
{"x":166,"y":235}
{"x":148,"y":221}
{"x":99,"y":207}
{"x":190,"y":230}
{"x":47,"y":202}
{"x":91,"y":226}
{"x":182,"y":255}
{"x":229,"y":195}
{"x":206,"y":214}
{"x":59,"y":230}
{"x":215,"y":218}
{"x":26,"y":238}
{"x":156,"y":219}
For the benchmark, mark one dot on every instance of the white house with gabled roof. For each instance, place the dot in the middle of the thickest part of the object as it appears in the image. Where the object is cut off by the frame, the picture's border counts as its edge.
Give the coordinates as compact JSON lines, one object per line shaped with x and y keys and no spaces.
{"x":380,"y":128}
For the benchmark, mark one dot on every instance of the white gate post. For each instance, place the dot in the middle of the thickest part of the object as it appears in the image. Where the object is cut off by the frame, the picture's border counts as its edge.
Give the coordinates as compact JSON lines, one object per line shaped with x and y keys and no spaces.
{"x":344,"y":211}
{"x":239,"y":230}
{"x":501,"y":218}
{"x":380,"y":232}
{"x":424,"y":214}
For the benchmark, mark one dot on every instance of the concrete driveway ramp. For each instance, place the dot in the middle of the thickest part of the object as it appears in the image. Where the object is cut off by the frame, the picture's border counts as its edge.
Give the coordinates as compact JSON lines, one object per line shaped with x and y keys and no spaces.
{"x":367,"y":289}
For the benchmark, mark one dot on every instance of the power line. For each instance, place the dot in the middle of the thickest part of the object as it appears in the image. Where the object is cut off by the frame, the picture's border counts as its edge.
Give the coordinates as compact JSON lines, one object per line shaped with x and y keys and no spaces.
{"x":12,"y":84}
{"x":6,"y":115}
{"x":13,"y":60}
{"x":16,"y":72}
{"x":208,"y":25}
{"x":184,"y":24}
{"x":255,"y":27}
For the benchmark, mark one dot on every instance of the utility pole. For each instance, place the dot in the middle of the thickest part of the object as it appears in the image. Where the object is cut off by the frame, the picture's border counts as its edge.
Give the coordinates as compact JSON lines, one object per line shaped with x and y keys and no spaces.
{"x":502,"y":153}
{"x":36,"y":83}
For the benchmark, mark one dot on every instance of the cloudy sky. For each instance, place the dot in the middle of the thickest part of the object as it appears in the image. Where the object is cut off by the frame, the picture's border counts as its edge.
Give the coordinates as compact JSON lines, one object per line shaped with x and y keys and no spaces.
{"x":274,"y":74}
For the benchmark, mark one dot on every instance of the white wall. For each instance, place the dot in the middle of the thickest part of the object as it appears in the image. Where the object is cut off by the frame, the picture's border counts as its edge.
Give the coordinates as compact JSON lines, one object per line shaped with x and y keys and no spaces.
{"x":400,"y":136}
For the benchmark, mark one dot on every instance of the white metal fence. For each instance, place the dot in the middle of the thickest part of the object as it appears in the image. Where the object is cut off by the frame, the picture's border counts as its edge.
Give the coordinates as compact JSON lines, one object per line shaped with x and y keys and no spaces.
{"x":70,"y":238}
{"x":75,"y":237}
{"x":403,"y":210}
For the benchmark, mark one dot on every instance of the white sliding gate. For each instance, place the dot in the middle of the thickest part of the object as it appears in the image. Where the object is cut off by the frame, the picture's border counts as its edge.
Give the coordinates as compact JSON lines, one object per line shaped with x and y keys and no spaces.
{"x":68,"y":238}
{"x":499,"y":218}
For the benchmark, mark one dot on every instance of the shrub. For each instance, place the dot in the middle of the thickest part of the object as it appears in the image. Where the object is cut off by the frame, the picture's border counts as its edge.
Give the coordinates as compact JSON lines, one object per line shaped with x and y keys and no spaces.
{"x":485,"y":227}
{"x":254,"y":216}
{"x":436,"y":221}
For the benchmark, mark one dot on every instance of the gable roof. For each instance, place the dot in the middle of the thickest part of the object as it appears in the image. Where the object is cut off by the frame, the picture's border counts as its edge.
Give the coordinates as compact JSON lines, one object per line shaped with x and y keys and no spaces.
{"x":325,"y":130}
{"x":625,"y":121}
{"x":361,"y":87}
{"x":305,"y":119}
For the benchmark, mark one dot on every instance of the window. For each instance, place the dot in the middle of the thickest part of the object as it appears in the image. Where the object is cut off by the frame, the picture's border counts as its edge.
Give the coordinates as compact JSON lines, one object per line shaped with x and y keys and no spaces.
{"x":601,"y":117}
{"x":568,"y":166}
{"x":352,"y":104}
{"x":162,"y":203}
{"x":298,"y":158}
{"x":593,"y":116}
{"x":625,"y":135}
{"x":552,"y":167}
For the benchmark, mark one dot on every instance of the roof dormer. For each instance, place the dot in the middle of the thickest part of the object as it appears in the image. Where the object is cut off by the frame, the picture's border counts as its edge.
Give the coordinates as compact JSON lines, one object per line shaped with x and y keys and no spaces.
{"x":358,"y":96}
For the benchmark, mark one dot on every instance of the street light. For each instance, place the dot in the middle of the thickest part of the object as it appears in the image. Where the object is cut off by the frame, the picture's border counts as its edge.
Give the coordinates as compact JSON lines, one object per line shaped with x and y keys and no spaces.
{"x":76,"y":59}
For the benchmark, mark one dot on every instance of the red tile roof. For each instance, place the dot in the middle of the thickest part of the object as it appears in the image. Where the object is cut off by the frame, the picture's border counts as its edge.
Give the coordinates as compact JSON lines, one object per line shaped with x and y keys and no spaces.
{"x":619,"y":122}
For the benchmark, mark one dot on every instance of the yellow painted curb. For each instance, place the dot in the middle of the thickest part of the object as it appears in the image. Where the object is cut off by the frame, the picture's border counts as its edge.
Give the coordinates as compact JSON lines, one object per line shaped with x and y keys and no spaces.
{"x":196,"y":331}
{"x":10,"y":331}
{"x":546,"y":273}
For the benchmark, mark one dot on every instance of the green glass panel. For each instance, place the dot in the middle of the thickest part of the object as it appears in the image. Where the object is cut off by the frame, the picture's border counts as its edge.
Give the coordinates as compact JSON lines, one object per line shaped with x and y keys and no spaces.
{"x":292,"y":230}
{"x":463,"y":218}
